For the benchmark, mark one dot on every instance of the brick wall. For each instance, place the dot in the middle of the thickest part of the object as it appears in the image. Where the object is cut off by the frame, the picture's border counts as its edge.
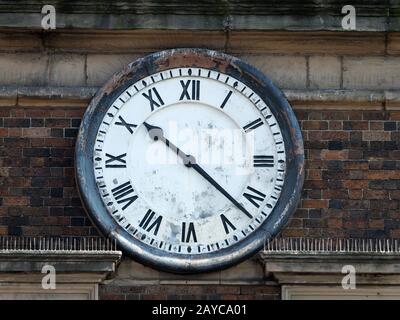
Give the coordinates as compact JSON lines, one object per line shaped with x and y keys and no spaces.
{"x":353,"y":175}
{"x":38,"y":192}
{"x":351,"y":189}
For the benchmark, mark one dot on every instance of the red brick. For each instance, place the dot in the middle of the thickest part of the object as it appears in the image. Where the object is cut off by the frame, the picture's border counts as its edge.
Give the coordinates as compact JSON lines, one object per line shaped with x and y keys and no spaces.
{"x":314,"y":174}
{"x":36,"y":132}
{"x":314,"y":203}
{"x":15,"y":201}
{"x":355,"y":194}
{"x":376,"y":136}
{"x":335,"y":223}
{"x":3,"y":132}
{"x":315,"y":125}
{"x":335,"y":135}
{"x":355,"y":184}
{"x":395,"y":195}
{"x":334,"y":154}
{"x":376,"y":125}
{"x":376,"y":223}
{"x":335,"y":125}
{"x":375,"y":194}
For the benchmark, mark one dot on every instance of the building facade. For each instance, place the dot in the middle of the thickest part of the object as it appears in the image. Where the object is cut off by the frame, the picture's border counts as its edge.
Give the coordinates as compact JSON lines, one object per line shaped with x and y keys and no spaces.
{"x":344,"y":86}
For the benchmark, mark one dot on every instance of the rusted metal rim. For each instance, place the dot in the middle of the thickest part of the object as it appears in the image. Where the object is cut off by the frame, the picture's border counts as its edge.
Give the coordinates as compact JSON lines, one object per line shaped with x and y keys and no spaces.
{"x":222,"y":63}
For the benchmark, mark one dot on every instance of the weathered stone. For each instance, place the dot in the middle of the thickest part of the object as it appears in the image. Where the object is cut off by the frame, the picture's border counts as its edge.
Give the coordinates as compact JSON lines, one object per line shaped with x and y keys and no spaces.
{"x":325,"y":72}
{"x":286,"y":71}
{"x":67,"y":70}
{"x":371,"y":73}
{"x":23,"y":69}
{"x":101,"y":67}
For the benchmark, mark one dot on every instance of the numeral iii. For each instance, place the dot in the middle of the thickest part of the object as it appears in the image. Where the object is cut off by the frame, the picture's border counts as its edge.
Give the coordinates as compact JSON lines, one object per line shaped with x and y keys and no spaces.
{"x":263,"y":161}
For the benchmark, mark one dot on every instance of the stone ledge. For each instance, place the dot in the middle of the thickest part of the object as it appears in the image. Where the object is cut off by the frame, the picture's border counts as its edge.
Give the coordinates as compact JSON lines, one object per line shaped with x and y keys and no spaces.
{"x":63,"y":261}
{"x":305,"y":261}
{"x":300,"y":99}
{"x":231,"y":14}
{"x":320,"y":268}
{"x":237,"y":42}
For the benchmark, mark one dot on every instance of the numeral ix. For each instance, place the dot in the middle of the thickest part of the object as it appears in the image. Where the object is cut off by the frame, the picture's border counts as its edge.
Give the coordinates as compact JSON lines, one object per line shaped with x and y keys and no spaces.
{"x":115,"y":161}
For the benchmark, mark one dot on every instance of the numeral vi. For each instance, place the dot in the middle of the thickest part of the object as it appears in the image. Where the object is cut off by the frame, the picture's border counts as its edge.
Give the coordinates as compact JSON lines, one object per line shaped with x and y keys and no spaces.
{"x":188,"y":232}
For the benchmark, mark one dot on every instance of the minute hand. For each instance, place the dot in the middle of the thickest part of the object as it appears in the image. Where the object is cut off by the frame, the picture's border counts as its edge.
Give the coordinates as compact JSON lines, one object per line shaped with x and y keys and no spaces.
{"x":156,"y":133}
{"x":205,"y":175}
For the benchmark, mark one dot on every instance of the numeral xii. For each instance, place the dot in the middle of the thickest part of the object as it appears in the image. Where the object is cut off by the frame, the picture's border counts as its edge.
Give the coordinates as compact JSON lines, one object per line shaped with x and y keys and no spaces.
{"x":190,"y":90}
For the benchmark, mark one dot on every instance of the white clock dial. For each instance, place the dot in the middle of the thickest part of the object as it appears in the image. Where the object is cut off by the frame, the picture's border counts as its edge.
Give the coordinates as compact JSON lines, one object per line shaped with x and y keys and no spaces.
{"x":199,"y":204}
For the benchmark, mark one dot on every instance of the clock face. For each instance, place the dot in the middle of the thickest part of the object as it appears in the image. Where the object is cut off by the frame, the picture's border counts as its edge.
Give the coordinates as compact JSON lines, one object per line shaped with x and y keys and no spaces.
{"x":188,"y":164}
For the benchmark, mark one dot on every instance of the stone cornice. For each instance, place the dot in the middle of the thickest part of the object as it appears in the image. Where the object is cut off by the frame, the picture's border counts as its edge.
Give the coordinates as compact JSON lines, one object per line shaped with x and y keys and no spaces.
{"x":372,"y":15}
{"x":294,"y":261}
{"x":236,"y":42}
{"x":70,"y":97}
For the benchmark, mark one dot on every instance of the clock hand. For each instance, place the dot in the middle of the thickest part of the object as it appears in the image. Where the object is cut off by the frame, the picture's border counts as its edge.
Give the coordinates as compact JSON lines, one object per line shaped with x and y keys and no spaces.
{"x":205,"y":175}
{"x":156,"y":133}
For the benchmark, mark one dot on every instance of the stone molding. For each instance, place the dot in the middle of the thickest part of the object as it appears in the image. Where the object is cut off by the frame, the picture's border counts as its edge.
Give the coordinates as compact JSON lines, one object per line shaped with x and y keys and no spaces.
{"x":295,"y":262}
{"x":80,"y":266}
{"x":236,"y":42}
{"x":70,"y":97}
{"x":223,"y":15}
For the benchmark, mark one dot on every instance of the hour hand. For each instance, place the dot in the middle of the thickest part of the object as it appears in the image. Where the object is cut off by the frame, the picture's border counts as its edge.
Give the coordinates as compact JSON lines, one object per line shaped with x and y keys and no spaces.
{"x":155,"y":133}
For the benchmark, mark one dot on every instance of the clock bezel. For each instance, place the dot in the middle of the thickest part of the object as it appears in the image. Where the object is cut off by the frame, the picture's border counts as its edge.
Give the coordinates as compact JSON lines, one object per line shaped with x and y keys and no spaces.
{"x":190,"y":58}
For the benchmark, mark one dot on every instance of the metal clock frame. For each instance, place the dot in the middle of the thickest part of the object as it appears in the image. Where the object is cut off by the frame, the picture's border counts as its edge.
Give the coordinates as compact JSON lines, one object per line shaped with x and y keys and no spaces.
{"x":196,"y":58}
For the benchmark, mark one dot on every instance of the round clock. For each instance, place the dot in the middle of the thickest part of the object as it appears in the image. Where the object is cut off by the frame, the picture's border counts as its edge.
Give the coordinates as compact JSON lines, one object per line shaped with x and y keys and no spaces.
{"x":190,"y":159}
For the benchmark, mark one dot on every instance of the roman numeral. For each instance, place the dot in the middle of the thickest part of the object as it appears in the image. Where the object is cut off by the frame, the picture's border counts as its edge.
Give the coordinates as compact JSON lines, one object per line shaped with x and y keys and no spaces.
{"x":226,"y":100}
{"x":148,"y":217}
{"x":263,"y":161}
{"x":195,"y":90}
{"x":127,"y":125}
{"x":153,"y":102}
{"x":120,"y":161}
{"x":255,"y":197}
{"x":227,"y":224}
{"x":253,"y":125}
{"x":189,"y":233}
{"x":122,"y":194}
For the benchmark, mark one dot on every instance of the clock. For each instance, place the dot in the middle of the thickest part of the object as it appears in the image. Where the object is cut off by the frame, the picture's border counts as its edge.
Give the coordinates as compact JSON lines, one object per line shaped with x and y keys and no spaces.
{"x":190,"y":159}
